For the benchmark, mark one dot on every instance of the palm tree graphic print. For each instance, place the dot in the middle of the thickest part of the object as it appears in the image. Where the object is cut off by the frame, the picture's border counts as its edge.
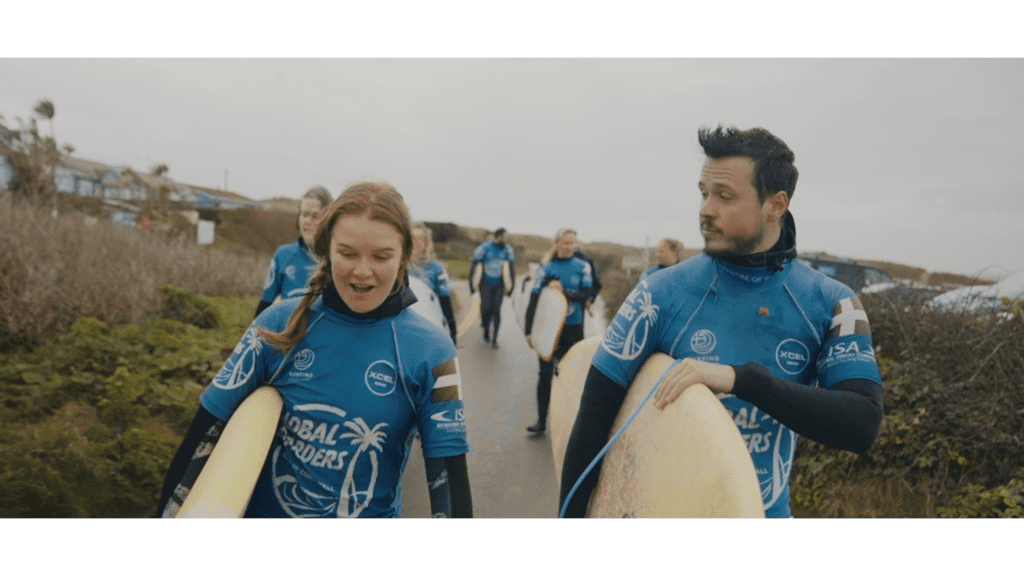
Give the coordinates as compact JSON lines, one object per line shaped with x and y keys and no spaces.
{"x":364,"y":438}
{"x":311,"y":490}
{"x":643,"y":312}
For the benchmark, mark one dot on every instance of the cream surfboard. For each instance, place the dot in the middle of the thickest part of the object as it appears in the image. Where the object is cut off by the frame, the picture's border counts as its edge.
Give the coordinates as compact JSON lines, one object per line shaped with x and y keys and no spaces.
{"x":688,"y":461}
{"x":506,"y":277}
{"x":225,"y":485}
{"x":548,"y":320}
{"x":470,"y":317}
{"x":428,"y":304}
{"x":472,"y":313}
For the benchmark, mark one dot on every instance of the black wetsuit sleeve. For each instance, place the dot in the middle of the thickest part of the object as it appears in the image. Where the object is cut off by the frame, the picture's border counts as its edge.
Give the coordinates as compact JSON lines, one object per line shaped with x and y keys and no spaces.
{"x":448,"y":483}
{"x":580,"y":297}
{"x":472,"y":269}
{"x":846,"y":416}
{"x":602,"y":398}
{"x":263,"y":305}
{"x":197,"y":432}
{"x":449,"y":315}
{"x":531,"y":310}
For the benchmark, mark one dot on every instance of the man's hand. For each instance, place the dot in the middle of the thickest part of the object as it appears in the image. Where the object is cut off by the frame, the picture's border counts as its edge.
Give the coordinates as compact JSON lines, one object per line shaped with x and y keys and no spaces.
{"x":718,"y":377}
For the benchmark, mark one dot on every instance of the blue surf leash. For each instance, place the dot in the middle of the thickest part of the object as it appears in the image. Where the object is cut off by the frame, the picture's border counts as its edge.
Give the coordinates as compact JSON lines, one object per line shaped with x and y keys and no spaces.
{"x":611,"y":442}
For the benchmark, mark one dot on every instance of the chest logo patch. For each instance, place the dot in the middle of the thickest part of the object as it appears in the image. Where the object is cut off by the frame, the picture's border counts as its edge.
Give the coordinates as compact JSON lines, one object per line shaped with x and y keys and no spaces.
{"x":381,"y":378}
{"x":290,"y":271}
{"x":792,"y":356}
{"x":703,"y":342}
{"x":304,"y":359}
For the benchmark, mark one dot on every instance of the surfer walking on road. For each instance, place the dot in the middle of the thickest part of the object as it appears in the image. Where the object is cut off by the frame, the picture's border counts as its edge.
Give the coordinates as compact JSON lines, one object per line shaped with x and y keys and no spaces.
{"x":491,"y":256}
{"x":428,"y":268}
{"x":787,"y":349}
{"x":562,"y":270}
{"x":294,"y":263}
{"x":360,"y":375}
{"x":667,"y":253}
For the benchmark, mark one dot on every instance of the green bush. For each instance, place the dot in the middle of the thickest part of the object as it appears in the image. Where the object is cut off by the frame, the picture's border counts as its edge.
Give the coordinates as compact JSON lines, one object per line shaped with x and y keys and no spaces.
{"x":953,"y":420}
{"x":89,"y":422}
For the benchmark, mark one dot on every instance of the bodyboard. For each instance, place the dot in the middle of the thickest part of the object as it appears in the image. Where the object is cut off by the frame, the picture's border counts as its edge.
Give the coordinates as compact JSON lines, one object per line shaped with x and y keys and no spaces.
{"x":688,"y":461}
{"x":225,"y":485}
{"x":428,"y":304}
{"x":548,"y":320}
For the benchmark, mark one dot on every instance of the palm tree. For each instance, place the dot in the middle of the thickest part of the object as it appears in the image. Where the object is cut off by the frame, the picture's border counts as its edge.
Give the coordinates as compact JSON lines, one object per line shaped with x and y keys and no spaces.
{"x":365,"y":438}
{"x":45,"y":109}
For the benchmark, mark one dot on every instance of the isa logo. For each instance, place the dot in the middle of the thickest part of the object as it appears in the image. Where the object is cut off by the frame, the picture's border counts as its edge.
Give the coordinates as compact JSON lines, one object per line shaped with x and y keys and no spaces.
{"x":381,"y":378}
{"x":792,"y":356}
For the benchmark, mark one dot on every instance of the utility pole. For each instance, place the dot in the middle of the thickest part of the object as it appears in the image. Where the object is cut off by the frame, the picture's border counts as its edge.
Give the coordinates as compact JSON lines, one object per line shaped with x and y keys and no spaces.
{"x":225,"y":179}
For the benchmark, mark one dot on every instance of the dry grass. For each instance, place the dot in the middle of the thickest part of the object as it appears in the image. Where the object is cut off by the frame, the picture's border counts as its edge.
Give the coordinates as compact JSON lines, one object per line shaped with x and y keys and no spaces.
{"x":54,"y":271}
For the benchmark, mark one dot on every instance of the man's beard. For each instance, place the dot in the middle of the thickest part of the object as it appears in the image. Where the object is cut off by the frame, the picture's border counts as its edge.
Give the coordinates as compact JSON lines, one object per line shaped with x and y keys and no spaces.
{"x":737,"y":245}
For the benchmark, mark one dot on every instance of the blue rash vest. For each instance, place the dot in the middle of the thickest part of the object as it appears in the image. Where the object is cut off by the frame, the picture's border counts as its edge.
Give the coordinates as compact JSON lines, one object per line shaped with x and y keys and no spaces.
{"x":289,"y":272}
{"x":491,"y":256}
{"x":434,"y":274}
{"x":356,"y":392}
{"x":575,"y":275}
{"x":799,"y":324}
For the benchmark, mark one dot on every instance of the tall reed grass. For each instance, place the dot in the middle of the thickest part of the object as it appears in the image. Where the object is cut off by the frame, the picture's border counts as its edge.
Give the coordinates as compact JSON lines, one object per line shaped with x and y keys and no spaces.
{"x":55,"y":270}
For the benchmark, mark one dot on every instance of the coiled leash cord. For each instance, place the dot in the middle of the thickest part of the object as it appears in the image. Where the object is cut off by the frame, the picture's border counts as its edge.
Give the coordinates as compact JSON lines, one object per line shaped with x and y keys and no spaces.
{"x":611,"y":442}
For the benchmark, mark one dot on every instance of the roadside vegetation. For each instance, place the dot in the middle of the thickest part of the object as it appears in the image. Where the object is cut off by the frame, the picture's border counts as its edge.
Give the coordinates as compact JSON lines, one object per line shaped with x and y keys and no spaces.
{"x":952,"y":437}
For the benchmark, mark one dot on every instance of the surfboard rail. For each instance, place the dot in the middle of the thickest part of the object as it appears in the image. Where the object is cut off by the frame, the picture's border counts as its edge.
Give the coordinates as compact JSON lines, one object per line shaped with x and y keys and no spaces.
{"x":225,"y":485}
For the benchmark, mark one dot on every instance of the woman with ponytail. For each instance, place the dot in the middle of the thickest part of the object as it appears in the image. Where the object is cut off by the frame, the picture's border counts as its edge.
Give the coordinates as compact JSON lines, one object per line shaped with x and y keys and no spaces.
{"x":361,"y":375}
{"x":292,"y":265}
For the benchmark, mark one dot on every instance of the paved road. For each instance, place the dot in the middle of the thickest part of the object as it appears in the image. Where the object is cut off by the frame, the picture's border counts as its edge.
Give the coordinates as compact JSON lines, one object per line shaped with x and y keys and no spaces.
{"x":511,"y":474}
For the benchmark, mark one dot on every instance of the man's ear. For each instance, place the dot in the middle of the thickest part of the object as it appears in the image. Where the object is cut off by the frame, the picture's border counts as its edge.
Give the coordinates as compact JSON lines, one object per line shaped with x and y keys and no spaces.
{"x":777,"y":204}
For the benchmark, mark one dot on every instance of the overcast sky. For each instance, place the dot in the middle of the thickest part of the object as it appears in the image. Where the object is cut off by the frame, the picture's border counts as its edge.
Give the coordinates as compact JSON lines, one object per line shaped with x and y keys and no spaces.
{"x":918,"y":161}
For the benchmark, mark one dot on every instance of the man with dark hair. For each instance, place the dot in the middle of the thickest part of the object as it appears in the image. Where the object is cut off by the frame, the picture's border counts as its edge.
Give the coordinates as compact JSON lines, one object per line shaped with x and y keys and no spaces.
{"x":491,"y":255}
{"x":787,"y":349}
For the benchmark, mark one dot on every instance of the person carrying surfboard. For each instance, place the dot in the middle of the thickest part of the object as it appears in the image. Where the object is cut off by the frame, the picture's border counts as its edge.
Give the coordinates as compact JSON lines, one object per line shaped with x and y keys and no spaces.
{"x":562,"y":270}
{"x":360,"y":375}
{"x":293,"y":264}
{"x":490,"y":256}
{"x":667,"y":253}
{"x":428,"y":268}
{"x":787,"y":349}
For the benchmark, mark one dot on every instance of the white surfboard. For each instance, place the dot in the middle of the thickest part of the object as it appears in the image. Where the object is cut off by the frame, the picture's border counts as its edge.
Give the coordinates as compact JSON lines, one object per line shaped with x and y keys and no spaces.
{"x":521,"y":299}
{"x":428,"y":304}
{"x":688,"y":461}
{"x":469,"y":317}
{"x":548,"y":320}
{"x":225,"y":485}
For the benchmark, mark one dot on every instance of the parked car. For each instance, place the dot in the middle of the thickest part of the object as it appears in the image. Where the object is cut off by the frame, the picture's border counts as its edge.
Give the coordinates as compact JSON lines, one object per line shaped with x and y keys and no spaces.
{"x":856,"y":276}
{"x":982,"y":298}
{"x":905,"y":290}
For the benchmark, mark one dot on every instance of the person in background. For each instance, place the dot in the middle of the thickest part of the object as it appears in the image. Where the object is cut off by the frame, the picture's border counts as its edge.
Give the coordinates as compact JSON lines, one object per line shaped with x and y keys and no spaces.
{"x":562,"y":270}
{"x":787,"y":349}
{"x":490,"y":255}
{"x":361,"y":376}
{"x":294,"y":263}
{"x":667,"y":253}
{"x":428,"y":268}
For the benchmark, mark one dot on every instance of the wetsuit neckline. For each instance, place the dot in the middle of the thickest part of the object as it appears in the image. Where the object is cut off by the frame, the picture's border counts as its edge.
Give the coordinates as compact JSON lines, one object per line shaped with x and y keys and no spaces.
{"x":391,"y":306}
{"x":774,"y":258}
